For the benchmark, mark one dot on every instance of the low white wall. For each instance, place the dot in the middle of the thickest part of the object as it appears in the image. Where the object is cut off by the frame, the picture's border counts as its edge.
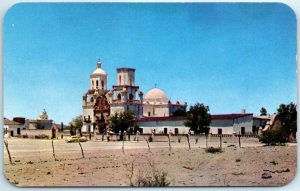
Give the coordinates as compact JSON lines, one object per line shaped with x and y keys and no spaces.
{"x":159,"y":126}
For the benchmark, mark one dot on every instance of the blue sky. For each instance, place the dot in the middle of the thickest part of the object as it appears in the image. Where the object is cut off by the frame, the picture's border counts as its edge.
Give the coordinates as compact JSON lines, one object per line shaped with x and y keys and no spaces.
{"x":228,"y":56}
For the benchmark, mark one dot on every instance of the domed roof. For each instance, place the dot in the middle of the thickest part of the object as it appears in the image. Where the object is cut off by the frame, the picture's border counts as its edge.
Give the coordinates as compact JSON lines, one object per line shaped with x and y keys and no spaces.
{"x":156,"y":95}
{"x":43,"y":115}
{"x":99,"y":70}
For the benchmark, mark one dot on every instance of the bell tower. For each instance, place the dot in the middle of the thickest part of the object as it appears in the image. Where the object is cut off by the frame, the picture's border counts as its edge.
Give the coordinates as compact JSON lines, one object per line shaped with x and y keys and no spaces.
{"x":98,"y":79}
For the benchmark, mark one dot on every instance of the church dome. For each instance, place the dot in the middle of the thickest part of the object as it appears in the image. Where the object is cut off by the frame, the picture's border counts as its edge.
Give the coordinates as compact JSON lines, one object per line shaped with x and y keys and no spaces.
{"x":99,"y":70}
{"x":43,"y":115}
{"x":156,"y":95}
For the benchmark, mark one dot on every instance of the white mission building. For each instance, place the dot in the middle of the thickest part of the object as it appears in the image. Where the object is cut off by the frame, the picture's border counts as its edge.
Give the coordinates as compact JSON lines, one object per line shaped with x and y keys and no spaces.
{"x":154,"y":111}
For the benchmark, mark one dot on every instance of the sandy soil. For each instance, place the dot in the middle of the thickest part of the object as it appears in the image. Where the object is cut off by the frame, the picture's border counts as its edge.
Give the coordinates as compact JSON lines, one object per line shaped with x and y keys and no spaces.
{"x":105,"y":164}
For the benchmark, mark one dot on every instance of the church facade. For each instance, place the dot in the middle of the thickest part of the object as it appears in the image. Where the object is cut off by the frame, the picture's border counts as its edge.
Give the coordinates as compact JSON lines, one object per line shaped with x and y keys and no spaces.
{"x":98,"y":103}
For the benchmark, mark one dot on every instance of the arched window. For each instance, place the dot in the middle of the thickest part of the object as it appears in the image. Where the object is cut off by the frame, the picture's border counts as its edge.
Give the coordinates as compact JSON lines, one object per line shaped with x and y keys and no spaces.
{"x":96,"y":83}
{"x":120,"y":80}
{"x":130,"y":97}
{"x":102,"y":84}
{"x":119,"y":97}
{"x":92,"y":99}
{"x":130,"y":80}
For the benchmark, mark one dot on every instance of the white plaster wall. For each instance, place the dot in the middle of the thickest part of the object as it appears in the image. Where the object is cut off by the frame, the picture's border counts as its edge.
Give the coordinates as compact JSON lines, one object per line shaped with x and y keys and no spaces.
{"x":221,"y":123}
{"x":245,"y":121}
{"x":84,"y":128}
{"x":116,"y":109}
{"x":159,"y":126}
{"x":125,"y":78}
{"x":88,"y":112}
{"x":99,"y":78}
{"x":225,"y":130}
{"x":14,"y":129}
{"x":159,"y":111}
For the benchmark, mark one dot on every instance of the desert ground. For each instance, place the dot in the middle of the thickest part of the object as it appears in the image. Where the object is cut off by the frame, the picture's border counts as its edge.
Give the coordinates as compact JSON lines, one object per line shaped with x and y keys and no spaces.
{"x":107,"y":164}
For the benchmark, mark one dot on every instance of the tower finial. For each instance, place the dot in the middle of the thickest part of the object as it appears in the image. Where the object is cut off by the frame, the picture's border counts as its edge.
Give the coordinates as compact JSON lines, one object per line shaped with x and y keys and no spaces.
{"x":99,"y":63}
{"x":155,"y":85}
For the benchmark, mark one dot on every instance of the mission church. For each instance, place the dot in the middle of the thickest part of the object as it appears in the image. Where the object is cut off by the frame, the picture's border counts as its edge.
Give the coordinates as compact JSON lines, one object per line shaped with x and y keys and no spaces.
{"x":99,"y":103}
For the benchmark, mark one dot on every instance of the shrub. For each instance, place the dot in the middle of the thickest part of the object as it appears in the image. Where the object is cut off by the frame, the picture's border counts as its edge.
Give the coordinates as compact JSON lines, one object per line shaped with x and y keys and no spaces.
{"x":237,"y":160}
{"x":145,"y":178}
{"x":274,"y":137}
{"x":213,"y":150}
{"x":150,"y":139}
{"x":157,"y":180}
{"x":274,"y":162}
{"x":41,"y":136}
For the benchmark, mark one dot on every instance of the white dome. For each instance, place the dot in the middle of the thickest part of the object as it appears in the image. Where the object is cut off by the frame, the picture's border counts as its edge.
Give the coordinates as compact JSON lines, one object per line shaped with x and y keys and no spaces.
{"x":43,"y":115}
{"x":156,"y":95}
{"x":99,"y":70}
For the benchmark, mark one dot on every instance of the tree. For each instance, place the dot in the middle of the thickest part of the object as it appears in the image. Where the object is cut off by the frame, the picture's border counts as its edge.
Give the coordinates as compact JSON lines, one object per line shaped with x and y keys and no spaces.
{"x":76,"y":124}
{"x":198,"y":118}
{"x":179,"y":112}
{"x":288,"y":117}
{"x":263,"y":111}
{"x":121,"y":122}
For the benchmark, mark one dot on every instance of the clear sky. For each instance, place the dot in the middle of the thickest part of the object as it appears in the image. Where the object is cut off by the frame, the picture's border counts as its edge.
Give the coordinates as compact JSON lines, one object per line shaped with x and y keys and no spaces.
{"x":228,"y":56}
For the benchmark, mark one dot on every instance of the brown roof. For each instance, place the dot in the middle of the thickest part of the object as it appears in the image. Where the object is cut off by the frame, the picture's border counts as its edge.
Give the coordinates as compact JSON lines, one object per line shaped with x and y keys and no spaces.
{"x":170,"y":118}
{"x":230,"y":116}
{"x":10,"y":122}
{"x":261,"y":117}
{"x":126,"y":69}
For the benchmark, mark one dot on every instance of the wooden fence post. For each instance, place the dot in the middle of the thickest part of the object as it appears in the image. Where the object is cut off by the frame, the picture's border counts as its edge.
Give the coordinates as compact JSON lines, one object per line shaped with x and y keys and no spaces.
{"x":220,"y":141}
{"x":53,"y":151}
{"x":169,"y":141}
{"x":148,"y":144}
{"x":6,"y":145}
{"x":239,"y":139}
{"x":81,"y":149}
{"x":123,"y":145}
{"x":188,"y":139}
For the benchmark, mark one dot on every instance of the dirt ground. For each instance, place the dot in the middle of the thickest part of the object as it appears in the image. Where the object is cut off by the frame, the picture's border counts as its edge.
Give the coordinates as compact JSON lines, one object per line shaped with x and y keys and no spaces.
{"x":105,"y":163}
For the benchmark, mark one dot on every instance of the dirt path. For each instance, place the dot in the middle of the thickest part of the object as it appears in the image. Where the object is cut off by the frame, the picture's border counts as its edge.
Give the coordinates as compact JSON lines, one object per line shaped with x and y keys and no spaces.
{"x":106,"y":165}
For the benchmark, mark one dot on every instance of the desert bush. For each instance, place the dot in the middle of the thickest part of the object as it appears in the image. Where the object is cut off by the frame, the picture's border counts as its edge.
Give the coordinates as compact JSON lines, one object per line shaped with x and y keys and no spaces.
{"x":41,"y":136}
{"x":274,"y":162}
{"x":15,"y":182}
{"x":179,"y":139}
{"x":274,"y":137}
{"x":156,"y":180}
{"x":213,"y":150}
{"x":148,"y":178}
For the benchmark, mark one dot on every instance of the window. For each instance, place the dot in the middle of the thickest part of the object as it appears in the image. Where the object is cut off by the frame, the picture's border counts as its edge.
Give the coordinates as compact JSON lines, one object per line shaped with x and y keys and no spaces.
{"x":219,"y":131}
{"x":92,"y":84}
{"x":102,"y":84}
{"x":18,"y":131}
{"x":176,"y":131}
{"x":130,"y":97}
{"x":92,"y":99}
{"x":96,"y":83}
{"x":119,"y":97}
{"x":149,"y":113}
{"x":243,"y":130}
{"x":165,"y":130}
{"x":254,"y":129}
{"x":120,"y":80}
